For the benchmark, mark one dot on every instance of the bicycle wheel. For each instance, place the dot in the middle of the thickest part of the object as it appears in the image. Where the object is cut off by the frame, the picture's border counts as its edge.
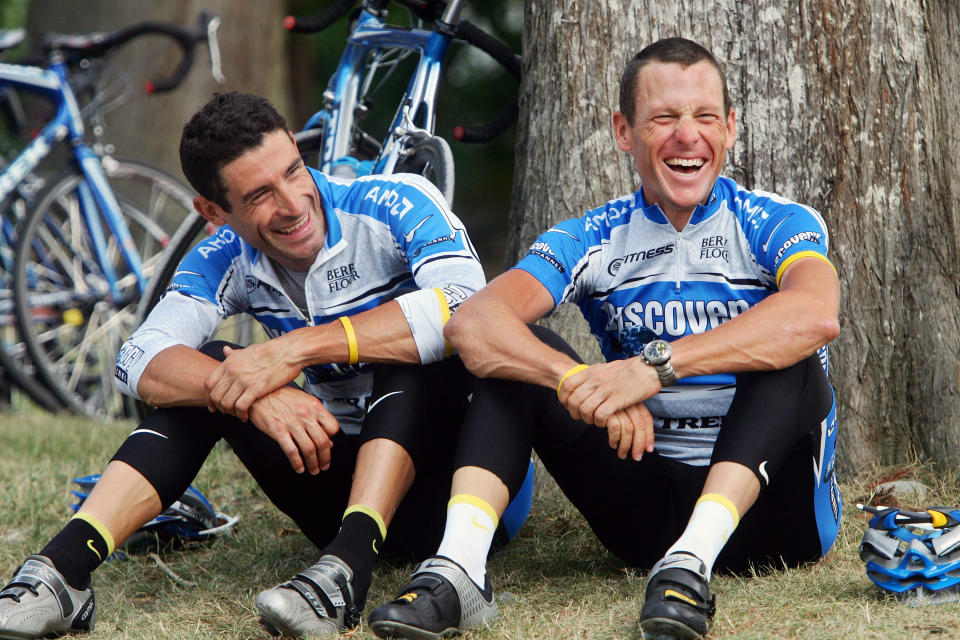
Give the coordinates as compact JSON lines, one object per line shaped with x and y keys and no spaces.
{"x":430,"y":157}
{"x":70,"y":323}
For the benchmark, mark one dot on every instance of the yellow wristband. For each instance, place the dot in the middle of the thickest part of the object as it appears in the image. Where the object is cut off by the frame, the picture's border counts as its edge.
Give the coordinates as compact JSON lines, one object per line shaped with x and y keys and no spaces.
{"x":353,"y":351}
{"x":576,"y":369}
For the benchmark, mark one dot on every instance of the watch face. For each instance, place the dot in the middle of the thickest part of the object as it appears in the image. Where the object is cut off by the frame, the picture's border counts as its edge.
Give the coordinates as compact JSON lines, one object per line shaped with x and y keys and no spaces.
{"x":657,"y":352}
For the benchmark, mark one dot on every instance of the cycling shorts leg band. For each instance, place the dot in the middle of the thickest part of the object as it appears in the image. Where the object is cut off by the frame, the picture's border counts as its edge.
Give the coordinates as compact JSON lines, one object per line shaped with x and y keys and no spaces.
{"x":168,"y":449}
{"x":770,"y":413}
{"x":170,"y":446}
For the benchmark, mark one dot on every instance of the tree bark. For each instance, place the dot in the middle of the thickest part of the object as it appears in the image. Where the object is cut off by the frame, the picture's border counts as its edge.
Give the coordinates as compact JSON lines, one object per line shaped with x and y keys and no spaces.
{"x":147,"y":127}
{"x":851,"y":108}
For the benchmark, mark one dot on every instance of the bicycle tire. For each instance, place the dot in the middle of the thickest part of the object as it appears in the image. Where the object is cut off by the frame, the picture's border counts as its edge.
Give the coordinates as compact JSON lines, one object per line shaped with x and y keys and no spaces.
{"x":18,"y":375}
{"x":67,"y":319}
{"x":430,"y":157}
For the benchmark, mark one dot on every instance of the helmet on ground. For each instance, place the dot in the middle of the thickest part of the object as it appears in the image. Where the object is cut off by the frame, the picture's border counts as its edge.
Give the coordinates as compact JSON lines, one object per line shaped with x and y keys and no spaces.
{"x":913,"y":552}
{"x":191,"y":517}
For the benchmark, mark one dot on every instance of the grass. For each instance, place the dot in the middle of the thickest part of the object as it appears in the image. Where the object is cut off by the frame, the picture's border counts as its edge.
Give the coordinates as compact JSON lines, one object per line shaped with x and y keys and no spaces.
{"x":554,"y":581}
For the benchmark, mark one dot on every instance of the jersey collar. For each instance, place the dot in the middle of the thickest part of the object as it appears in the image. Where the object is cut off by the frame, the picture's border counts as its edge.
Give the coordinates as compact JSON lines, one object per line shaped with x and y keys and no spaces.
{"x":654,"y":213}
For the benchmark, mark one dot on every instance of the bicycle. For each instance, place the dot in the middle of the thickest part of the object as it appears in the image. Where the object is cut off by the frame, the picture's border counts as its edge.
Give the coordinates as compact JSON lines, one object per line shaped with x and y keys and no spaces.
{"x":93,"y":236}
{"x":332,"y":140}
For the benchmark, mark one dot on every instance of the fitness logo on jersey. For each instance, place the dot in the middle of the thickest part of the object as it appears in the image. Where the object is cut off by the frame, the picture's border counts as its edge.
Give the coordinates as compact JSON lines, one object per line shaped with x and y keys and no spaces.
{"x":339,"y":278}
{"x":714,"y":248}
{"x":804,"y":236}
{"x":639,"y":256}
{"x":673,"y":317}
{"x":543,"y":250}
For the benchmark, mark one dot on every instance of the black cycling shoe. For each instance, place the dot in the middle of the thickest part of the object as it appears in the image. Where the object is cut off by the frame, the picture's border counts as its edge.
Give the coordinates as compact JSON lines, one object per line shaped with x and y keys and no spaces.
{"x":678,"y":605}
{"x":439,"y":601}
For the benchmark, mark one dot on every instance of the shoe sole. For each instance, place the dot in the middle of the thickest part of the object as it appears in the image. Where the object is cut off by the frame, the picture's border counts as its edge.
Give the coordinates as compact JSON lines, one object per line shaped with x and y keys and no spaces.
{"x":667,"y":629}
{"x":389,"y":629}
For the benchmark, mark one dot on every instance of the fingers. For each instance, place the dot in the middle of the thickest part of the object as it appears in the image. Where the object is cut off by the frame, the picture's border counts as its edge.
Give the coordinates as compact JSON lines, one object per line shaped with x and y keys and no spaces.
{"x":300,"y":425}
{"x":642,"y":422}
{"x":289,"y":449}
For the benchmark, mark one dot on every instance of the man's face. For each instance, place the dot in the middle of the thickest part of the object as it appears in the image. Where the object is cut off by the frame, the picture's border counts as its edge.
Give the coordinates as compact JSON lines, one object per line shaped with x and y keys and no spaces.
{"x":275,"y":203}
{"x":679,"y":136}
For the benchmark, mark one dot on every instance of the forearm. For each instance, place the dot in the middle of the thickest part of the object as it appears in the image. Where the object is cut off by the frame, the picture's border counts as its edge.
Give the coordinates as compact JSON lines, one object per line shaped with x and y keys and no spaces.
{"x":773,"y":334}
{"x":381,"y":335}
{"x":175,"y":378}
{"x":494,"y":342}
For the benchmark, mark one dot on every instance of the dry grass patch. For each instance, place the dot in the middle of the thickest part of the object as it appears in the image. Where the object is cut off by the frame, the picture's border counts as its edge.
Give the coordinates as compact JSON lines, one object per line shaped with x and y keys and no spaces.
{"x":554,"y":581}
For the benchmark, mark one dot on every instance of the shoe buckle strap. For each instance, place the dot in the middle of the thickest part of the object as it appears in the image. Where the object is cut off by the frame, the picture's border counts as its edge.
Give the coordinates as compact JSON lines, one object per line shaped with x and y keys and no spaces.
{"x":320,"y":608}
{"x":34,"y":573}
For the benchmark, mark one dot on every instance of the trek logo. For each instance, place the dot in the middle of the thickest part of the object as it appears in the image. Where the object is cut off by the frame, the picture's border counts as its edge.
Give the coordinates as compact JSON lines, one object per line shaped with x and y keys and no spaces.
{"x":29,"y":158}
{"x":340,"y":278}
{"x":714,"y":247}
{"x":223,"y":238}
{"x":399,"y":205}
{"x":614,"y":267}
{"x":804,"y":236}
{"x":712,"y":422}
{"x":675,"y":317}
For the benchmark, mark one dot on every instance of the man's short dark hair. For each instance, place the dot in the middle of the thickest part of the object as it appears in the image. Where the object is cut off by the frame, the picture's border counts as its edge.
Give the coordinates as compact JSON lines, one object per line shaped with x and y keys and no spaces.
{"x":670,"y":50}
{"x":228,"y":126}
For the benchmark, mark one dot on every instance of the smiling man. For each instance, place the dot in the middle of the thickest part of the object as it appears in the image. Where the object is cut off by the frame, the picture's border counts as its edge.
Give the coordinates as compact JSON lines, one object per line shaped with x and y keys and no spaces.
{"x":352,"y":280}
{"x":712,"y":304}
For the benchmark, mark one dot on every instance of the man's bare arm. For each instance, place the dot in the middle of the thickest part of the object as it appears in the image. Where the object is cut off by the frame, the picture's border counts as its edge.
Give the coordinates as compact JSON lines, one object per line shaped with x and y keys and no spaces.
{"x":381,"y":335}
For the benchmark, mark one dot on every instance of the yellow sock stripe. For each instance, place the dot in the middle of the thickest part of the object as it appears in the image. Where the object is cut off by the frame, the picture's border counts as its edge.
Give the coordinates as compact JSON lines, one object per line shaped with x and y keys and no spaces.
{"x":444,"y":316}
{"x":480,"y":503}
{"x":352,"y":349}
{"x":101,"y":529}
{"x":373,"y":513}
{"x":573,"y":370}
{"x":716,"y":497}
{"x":802,"y":254}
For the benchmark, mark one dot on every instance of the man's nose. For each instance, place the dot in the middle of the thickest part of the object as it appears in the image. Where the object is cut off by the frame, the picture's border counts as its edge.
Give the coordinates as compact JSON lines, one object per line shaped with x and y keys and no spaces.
{"x":287,"y":199}
{"x":686,"y":131}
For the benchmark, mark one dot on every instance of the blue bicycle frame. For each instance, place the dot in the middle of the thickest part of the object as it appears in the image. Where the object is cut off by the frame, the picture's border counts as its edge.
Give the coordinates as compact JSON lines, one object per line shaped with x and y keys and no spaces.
{"x":93,"y":192}
{"x":416,"y":113}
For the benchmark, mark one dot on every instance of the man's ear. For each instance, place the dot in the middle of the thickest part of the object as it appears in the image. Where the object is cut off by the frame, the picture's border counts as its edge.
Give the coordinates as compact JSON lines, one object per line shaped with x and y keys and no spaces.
{"x":621,"y":131}
{"x":210,"y":211}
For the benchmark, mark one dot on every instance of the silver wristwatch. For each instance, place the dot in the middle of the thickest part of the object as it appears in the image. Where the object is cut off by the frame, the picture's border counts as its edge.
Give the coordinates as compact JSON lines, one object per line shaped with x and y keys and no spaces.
{"x":656,"y":353}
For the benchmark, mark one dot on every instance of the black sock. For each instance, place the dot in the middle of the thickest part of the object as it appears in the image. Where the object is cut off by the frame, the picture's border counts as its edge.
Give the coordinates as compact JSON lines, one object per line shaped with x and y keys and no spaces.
{"x":76,"y":551}
{"x":358,"y":544}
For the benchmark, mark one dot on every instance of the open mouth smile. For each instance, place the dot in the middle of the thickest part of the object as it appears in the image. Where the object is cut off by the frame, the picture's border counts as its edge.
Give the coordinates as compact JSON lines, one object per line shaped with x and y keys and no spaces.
{"x":295,"y":227}
{"x":685,"y":166}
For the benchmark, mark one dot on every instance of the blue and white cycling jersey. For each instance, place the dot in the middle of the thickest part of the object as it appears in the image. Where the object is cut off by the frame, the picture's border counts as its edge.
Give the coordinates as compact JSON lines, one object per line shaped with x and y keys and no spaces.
{"x":636,"y":278}
{"x":388,"y":237}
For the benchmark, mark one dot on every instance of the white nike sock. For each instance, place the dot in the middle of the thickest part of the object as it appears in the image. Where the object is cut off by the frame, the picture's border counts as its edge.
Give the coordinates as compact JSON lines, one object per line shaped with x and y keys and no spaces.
{"x":713,"y":520}
{"x":471,"y":523}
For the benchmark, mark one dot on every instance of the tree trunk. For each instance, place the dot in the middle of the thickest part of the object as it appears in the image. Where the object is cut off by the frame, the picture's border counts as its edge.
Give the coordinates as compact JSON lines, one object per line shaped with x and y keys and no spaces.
{"x":850,"y":108}
{"x":147,"y":127}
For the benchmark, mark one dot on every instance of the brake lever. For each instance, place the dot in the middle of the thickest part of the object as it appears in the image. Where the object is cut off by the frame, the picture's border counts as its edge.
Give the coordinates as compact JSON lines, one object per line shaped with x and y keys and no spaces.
{"x":214,"y":46}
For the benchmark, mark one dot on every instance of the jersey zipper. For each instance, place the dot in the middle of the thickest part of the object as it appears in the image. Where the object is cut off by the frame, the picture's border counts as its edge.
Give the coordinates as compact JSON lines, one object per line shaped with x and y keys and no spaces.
{"x":679,"y":239}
